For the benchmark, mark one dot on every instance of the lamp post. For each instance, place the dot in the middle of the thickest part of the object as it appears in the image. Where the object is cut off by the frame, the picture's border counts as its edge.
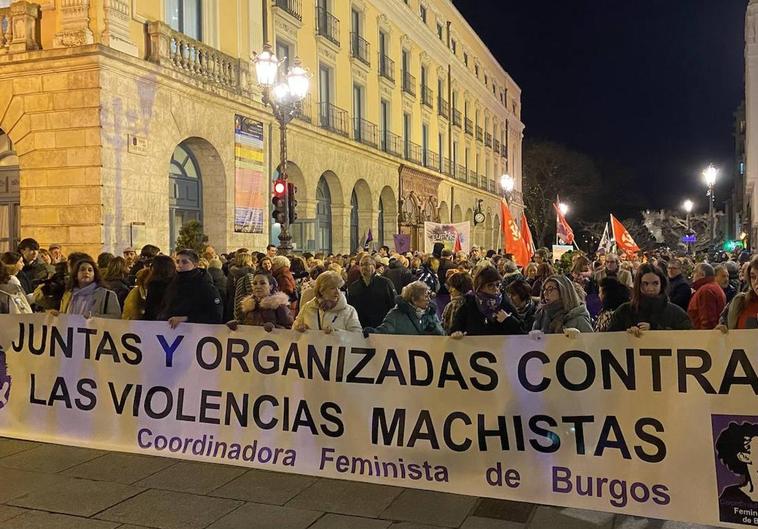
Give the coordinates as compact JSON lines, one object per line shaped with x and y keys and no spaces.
{"x":284,"y":93}
{"x":688,"y":205}
{"x":563,"y":208}
{"x":710,"y":175}
{"x":508,"y":184}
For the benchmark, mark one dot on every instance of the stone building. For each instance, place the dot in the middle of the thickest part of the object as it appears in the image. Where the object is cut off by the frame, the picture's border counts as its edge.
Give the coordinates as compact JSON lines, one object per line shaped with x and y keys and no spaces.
{"x":120,"y":120}
{"x":750,"y":197}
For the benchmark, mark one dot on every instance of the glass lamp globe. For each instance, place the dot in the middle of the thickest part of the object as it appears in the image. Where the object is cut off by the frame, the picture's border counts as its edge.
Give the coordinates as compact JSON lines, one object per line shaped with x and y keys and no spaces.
{"x":266,"y":67}
{"x":507,"y":183}
{"x":281,"y":93}
{"x":710,"y":175}
{"x":297,"y":80}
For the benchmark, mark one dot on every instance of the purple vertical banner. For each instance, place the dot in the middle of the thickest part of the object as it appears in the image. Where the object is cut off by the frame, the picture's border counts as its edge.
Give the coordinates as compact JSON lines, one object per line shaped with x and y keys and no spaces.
{"x":402,"y":242}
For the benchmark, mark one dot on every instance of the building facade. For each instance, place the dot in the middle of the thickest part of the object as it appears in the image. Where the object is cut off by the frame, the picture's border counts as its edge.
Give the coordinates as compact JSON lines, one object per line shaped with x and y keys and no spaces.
{"x":750,"y":204}
{"x":121,"y":120}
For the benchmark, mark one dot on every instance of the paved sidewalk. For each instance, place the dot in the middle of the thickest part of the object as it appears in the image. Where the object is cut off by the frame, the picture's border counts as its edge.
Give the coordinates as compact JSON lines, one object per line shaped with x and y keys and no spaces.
{"x":44,"y":486}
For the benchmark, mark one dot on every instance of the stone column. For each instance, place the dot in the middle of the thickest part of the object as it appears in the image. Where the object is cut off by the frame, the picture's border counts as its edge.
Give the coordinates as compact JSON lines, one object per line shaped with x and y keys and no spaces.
{"x":118,"y":14}
{"x":24,"y":16}
{"x":75,"y":25}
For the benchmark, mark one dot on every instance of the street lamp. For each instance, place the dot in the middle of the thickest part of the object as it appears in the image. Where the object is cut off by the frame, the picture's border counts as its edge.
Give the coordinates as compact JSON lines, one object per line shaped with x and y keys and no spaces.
{"x":508,"y":184}
{"x":284,"y":93}
{"x":710,"y":174}
{"x":688,"y":205}
{"x":563,"y":208}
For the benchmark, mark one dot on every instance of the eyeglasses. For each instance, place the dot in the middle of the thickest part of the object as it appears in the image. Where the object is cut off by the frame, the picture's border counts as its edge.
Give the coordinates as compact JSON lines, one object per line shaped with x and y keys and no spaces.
{"x":548,"y":290}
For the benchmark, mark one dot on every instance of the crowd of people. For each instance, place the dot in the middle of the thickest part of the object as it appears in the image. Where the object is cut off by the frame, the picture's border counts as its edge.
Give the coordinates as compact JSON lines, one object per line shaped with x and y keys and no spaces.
{"x":472,"y":293}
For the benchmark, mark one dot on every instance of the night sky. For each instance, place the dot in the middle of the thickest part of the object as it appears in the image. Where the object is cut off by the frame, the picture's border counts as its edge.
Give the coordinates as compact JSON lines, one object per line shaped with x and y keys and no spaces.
{"x":648,"y":86}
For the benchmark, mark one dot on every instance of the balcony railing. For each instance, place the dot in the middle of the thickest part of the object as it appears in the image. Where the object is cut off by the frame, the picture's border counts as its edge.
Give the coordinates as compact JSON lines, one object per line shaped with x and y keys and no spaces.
{"x":334,"y":119}
{"x":387,"y":67}
{"x":327,"y":25}
{"x":413,"y":152}
{"x":292,"y":7}
{"x":426,"y":96}
{"x":365,"y":132}
{"x":360,"y":48}
{"x":473,"y":178}
{"x":457,"y":118}
{"x":391,"y":143}
{"x":496,"y":146}
{"x":460,"y":172}
{"x":469,"y":127}
{"x":432,"y":160}
{"x":305,"y":112}
{"x":446,"y":166}
{"x":487,"y":139}
{"x":479,"y":134}
{"x":442,"y":109}
{"x":409,"y":84}
{"x":504,"y":150}
{"x":491,"y":186}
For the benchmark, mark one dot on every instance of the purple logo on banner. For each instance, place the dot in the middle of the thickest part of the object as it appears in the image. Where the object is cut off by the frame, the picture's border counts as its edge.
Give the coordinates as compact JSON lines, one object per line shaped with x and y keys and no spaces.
{"x":402,"y":242}
{"x":5,"y":381}
{"x":735,"y":439}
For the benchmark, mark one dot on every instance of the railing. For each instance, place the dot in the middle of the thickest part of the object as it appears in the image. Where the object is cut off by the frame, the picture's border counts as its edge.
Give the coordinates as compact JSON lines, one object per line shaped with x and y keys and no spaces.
{"x":460,"y":172}
{"x":364,"y":131}
{"x":412,"y":152}
{"x":409,"y":84}
{"x":391,"y":143}
{"x":473,"y":178}
{"x":442,"y":109}
{"x":469,"y":127}
{"x":327,"y":25}
{"x":387,"y":67}
{"x":426,"y":96}
{"x":186,"y":55}
{"x":487,"y":139}
{"x":457,"y":118}
{"x":293,"y":7}
{"x":360,"y":48}
{"x":492,"y":186}
{"x":496,"y":146}
{"x":479,"y":134}
{"x":334,"y":119}
{"x":431,"y":160}
{"x":446,"y":166}
{"x":305,"y":112}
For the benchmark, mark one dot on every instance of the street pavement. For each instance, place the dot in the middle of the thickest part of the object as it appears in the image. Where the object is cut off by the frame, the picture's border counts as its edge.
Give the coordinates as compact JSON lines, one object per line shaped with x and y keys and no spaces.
{"x":46,"y":486}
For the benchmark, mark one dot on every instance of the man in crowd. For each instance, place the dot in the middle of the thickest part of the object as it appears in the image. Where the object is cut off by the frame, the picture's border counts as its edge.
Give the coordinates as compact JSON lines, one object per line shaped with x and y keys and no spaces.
{"x":722,"y":278}
{"x":399,"y":273}
{"x":56,"y":254}
{"x":708,"y":299}
{"x":372,"y":296}
{"x":34,"y":271}
{"x":271,"y":251}
{"x":130,"y":255}
{"x":612,"y":269}
{"x":679,"y":290}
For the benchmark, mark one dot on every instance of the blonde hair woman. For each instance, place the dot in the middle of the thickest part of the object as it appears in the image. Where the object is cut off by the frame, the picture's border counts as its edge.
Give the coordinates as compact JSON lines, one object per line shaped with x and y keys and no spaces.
{"x":328,"y":311}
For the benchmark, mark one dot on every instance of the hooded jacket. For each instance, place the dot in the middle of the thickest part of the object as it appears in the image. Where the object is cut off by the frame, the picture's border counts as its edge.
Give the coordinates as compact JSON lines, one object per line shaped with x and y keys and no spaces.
{"x":573,"y":313}
{"x":342,"y":317}
{"x":193,"y":295}
{"x":706,"y":303}
{"x":273,"y":309}
{"x":403,"y":319}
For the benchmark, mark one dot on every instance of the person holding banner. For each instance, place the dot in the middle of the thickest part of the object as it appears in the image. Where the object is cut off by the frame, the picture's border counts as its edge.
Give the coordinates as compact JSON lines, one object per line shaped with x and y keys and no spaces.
{"x":191,"y":296}
{"x":414,"y":314}
{"x":328,"y":311}
{"x":85,"y":296}
{"x":265,"y":306}
{"x":486,"y":311}
{"x":12,"y":296}
{"x":650,"y":308}
{"x":742,"y":311}
{"x":561,"y":309}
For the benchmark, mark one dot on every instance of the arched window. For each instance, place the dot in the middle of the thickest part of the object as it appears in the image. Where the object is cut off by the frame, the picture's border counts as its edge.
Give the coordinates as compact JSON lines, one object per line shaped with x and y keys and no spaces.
{"x":323,"y":217}
{"x":354,"y":242}
{"x":185,"y":191}
{"x":10,"y":230}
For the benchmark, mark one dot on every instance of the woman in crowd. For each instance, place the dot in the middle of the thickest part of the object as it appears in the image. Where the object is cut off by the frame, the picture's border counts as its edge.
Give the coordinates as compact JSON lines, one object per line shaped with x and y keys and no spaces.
{"x":265,"y":306}
{"x":162,"y":272}
{"x":328,"y":311}
{"x":134,"y":304}
{"x":280,"y":269}
{"x":413,"y":314}
{"x":191,"y":296}
{"x":613,"y":294}
{"x":243,"y":264}
{"x":530,"y":273}
{"x":544,"y":270}
{"x":742,"y":311}
{"x":85,"y":294}
{"x":458,"y":285}
{"x":115,"y":278}
{"x":265,"y":264}
{"x":486,"y":311}
{"x":582,"y":275}
{"x":215,"y":271}
{"x":649,"y":308}
{"x":520,"y":293}
{"x":561,"y":309}
{"x":12,"y":296}
{"x":14,"y":263}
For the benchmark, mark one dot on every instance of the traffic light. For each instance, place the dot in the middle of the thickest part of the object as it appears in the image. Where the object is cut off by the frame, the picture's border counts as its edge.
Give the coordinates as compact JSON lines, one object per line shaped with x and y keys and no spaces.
{"x":291,"y":202}
{"x":278,"y":212}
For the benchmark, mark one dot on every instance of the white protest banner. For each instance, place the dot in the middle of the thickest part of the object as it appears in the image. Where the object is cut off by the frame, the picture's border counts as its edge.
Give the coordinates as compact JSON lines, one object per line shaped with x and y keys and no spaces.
{"x":451,"y":235}
{"x":664,"y":426}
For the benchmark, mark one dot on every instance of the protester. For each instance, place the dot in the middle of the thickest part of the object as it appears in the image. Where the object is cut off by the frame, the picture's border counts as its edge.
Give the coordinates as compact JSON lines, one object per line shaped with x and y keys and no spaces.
{"x":162,"y":271}
{"x":708,"y":299}
{"x":742,"y":312}
{"x":723,"y":280}
{"x":486,"y":311}
{"x":611,"y":268}
{"x":678,"y":290}
{"x":649,"y":308}
{"x":428,"y":274}
{"x":399,"y":273}
{"x":265,"y":306}
{"x":85,"y":294}
{"x":519,"y":292}
{"x":372,"y":296}
{"x":265,"y":264}
{"x":561,"y":310}
{"x":130,"y":255}
{"x":271,"y":251}
{"x":191,"y":296}
{"x":34,"y":271}
{"x":413,"y":314}
{"x":12,"y":296}
{"x":328,"y":311}
{"x":544,"y":270}
{"x":218,"y":278}
{"x":458,"y":285}
{"x":581,"y":275}
{"x":115,"y":278}
{"x":56,"y":254}
{"x":134,"y":304}
{"x":146,"y":256}
{"x":308,"y":289}
{"x":280,"y":269}
{"x":612,"y":295}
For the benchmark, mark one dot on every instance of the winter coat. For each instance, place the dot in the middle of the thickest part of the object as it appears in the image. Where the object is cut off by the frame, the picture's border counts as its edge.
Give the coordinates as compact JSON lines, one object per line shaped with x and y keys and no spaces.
{"x":623,"y":276}
{"x":134,"y":304}
{"x":286,"y":283}
{"x":403,"y":319}
{"x":236,"y":274}
{"x":527,"y":313}
{"x":679,"y":291}
{"x":13,"y":300}
{"x":193,"y":295}
{"x":120,"y":287}
{"x":104,"y":303}
{"x":399,"y":275}
{"x":342,"y":317}
{"x":469,"y":319}
{"x":219,"y":281}
{"x":429,"y":278}
{"x":577,"y":317}
{"x":155,"y":299}
{"x":445,"y":265}
{"x":658,"y":312}
{"x":729,"y":291}
{"x":706,"y":303}
{"x":731,"y":313}
{"x":449,"y":313}
{"x":372,"y":301}
{"x":273,"y":309}
{"x":32,"y":274}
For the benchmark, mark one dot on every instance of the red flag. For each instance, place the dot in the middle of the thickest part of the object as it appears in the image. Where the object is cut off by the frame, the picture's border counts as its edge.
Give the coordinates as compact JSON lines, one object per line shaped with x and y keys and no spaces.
{"x":513,"y":243}
{"x":457,"y":247}
{"x":527,"y":234}
{"x":565,"y":233}
{"x":624,"y":241}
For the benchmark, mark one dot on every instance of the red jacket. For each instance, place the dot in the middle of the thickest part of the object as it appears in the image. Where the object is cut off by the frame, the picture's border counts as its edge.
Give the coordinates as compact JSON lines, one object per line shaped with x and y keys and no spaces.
{"x":706,"y":303}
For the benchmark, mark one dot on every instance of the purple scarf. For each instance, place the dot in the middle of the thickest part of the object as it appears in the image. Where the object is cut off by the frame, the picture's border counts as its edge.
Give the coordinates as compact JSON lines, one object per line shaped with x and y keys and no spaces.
{"x":488,"y":304}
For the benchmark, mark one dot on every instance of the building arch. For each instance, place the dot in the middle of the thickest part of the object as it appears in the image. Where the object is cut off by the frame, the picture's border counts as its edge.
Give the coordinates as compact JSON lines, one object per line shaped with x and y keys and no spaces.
{"x":497,"y":233}
{"x":10,"y":195}
{"x":444,"y":213}
{"x":323,"y":216}
{"x":457,"y":214}
{"x":361,"y":214}
{"x":488,"y":233}
{"x":387,"y":218}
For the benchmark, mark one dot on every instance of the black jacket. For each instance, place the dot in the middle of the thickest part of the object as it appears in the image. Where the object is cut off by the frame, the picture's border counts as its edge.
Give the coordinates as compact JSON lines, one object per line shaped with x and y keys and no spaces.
{"x":659,"y":313}
{"x":399,"y":275}
{"x":120,"y":288}
{"x":219,"y":281}
{"x":192,"y":294}
{"x":445,"y":265}
{"x":32,"y":275}
{"x":470,"y":320}
{"x":372,"y":301}
{"x":679,"y":292}
{"x":155,"y":299}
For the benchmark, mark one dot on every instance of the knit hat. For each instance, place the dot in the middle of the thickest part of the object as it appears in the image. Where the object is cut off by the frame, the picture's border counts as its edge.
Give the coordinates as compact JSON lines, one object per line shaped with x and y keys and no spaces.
{"x":488,"y":274}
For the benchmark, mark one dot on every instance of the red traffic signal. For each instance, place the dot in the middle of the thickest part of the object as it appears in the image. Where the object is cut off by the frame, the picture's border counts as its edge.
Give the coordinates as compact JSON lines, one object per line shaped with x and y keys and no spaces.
{"x":280,"y":187}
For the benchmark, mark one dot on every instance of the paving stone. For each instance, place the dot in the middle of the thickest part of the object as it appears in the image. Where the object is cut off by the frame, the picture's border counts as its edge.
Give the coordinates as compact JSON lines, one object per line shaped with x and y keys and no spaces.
{"x":433,"y":508}
{"x":49,"y":458}
{"x":633,"y":522}
{"x":192,"y":477}
{"x":411,"y":525}
{"x":685,"y":525}
{"x":262,"y":486}
{"x":551,"y":517}
{"x":477,"y":522}
{"x":7,"y":512}
{"x":120,"y":468}
{"x":45,"y":520}
{"x":346,"y":497}
{"x":15,"y":482}
{"x":338,"y":521}
{"x":12,"y":446}
{"x":595,"y":518}
{"x":81,"y":497}
{"x":259,"y":516}
{"x":513,"y":511}
{"x":170,"y":510}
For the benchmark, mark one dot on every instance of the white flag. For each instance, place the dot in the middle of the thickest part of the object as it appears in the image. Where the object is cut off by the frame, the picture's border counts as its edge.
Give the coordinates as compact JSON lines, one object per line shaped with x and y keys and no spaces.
{"x":605,"y":241}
